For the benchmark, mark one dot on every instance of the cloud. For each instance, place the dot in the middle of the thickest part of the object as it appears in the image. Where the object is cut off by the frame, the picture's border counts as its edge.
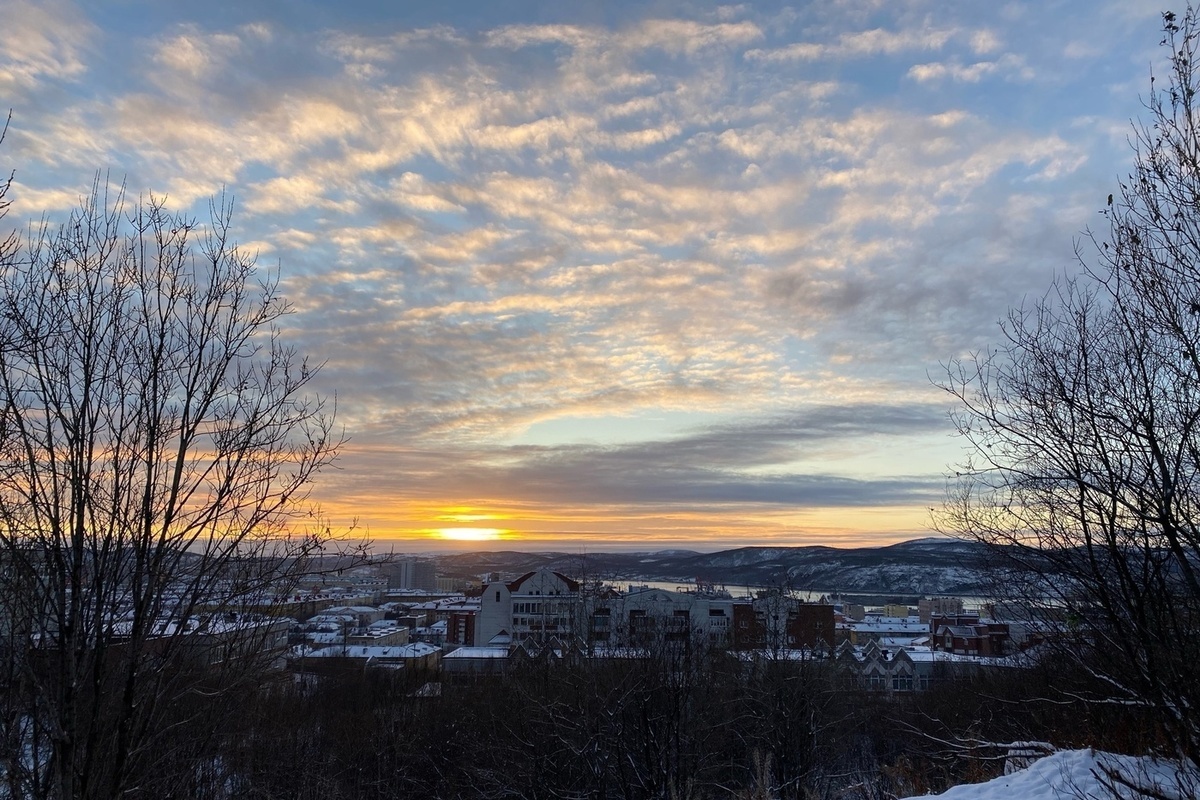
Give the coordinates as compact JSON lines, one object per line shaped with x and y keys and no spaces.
{"x":194,"y":54}
{"x":1008,"y":66}
{"x":42,"y":42}
{"x":681,"y":36}
{"x":286,"y":194}
{"x":858,"y":44}
{"x":31,"y":203}
{"x":487,"y":227}
{"x":985,"y":41}
{"x":745,"y":463}
{"x":359,"y":48}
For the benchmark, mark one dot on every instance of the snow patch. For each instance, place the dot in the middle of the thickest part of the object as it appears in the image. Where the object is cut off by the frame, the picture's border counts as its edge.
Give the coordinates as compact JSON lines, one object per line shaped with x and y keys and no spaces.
{"x":1087,"y":774}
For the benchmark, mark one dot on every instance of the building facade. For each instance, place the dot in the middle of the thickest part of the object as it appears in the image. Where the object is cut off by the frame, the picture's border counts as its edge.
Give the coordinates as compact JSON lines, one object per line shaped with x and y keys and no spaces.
{"x":538,"y":606}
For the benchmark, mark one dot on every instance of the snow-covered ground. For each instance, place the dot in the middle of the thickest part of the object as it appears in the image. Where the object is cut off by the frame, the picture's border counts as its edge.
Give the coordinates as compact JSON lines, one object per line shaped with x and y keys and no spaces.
{"x":1084,"y":775}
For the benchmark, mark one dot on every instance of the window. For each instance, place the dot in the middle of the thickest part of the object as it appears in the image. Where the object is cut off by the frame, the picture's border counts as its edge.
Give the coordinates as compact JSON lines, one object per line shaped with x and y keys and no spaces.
{"x":497,"y":595}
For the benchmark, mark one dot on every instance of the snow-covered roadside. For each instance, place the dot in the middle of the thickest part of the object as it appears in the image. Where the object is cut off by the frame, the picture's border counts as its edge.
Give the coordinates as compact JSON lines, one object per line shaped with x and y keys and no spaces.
{"x":1082,"y":775}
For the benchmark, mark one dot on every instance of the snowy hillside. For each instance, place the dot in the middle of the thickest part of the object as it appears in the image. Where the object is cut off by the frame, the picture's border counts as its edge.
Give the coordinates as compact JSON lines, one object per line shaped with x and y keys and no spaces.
{"x":1084,"y":775}
{"x":924,"y":566}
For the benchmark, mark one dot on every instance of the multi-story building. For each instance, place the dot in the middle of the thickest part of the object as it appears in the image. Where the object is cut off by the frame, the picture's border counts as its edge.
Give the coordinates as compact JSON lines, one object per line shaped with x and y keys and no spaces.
{"x":544,"y":606}
{"x":379,"y":634}
{"x":413,"y":573}
{"x":895,"y":630}
{"x":776,"y":621}
{"x":928,"y":606}
{"x":539,"y":606}
{"x":888,"y":670}
{"x":458,"y":584}
{"x":970,"y":636}
{"x":644,"y":614}
{"x":462,"y":626}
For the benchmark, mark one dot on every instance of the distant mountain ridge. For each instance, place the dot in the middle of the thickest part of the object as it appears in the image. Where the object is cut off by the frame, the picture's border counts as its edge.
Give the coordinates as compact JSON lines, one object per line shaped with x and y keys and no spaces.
{"x":919,"y":567}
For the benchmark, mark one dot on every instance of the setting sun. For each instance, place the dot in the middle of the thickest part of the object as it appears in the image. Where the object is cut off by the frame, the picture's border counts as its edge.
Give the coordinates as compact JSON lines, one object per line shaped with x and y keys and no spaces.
{"x":471,"y":534}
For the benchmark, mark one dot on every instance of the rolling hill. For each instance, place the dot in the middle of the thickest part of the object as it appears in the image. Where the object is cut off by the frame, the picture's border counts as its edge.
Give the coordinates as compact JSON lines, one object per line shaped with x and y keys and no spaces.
{"x":922,"y":566}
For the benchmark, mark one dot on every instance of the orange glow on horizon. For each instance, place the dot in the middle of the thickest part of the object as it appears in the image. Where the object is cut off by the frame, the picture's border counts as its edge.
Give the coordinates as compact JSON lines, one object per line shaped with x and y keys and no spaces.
{"x":466,"y":514}
{"x":490,"y":523}
{"x":471,"y":534}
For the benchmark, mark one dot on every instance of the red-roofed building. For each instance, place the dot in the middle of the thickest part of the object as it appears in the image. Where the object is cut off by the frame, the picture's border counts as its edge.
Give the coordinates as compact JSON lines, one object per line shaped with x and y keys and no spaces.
{"x":980,"y":639}
{"x":536,"y":606}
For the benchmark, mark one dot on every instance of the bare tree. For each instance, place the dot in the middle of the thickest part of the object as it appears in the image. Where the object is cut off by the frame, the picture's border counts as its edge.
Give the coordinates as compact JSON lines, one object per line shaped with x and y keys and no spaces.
{"x":1084,"y":429}
{"x":157,"y":442}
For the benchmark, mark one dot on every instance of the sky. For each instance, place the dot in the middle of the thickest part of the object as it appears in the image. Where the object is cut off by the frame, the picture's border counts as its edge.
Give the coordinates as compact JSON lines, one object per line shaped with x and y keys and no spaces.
{"x":598,"y":275}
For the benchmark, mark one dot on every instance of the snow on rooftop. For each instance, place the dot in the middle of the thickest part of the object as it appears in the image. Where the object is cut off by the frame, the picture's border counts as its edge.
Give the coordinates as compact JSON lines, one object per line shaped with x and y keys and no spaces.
{"x":326,"y":637}
{"x":414,"y":650}
{"x":456,"y":603}
{"x":880,"y":624}
{"x":900,"y":641}
{"x":478,"y":652}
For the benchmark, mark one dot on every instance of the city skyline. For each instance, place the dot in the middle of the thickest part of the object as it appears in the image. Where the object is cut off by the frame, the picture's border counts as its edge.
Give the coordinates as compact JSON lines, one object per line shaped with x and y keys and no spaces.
{"x":637,"y":275}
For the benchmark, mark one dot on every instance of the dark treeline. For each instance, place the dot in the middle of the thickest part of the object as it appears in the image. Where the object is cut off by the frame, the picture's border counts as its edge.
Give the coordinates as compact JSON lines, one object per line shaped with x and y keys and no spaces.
{"x":672,"y":724}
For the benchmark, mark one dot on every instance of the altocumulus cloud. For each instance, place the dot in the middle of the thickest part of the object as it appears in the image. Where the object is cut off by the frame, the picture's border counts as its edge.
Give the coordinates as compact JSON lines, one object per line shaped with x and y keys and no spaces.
{"x":601,"y":255}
